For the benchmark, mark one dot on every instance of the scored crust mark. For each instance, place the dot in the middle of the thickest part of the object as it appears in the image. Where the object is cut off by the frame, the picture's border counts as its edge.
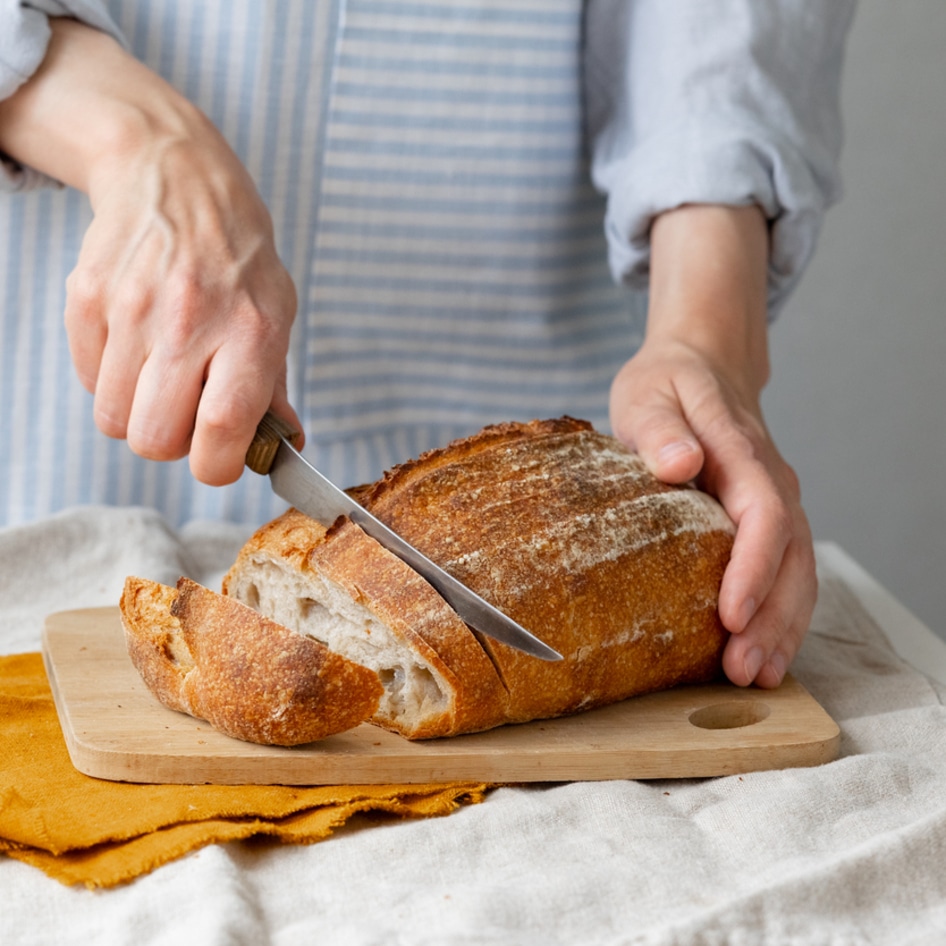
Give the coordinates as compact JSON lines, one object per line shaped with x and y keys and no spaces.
{"x":490,"y":438}
{"x":251,"y":678}
{"x":486,"y":643}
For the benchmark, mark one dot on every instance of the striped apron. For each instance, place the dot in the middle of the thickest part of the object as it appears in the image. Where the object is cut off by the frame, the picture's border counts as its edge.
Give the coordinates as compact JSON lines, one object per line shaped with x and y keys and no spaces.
{"x":427,"y":174}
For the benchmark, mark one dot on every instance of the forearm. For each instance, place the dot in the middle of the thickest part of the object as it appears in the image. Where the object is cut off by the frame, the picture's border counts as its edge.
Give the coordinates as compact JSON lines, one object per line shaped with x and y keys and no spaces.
{"x":715,"y":102}
{"x":179,"y":310}
{"x":708,"y":289}
{"x":88,"y":105}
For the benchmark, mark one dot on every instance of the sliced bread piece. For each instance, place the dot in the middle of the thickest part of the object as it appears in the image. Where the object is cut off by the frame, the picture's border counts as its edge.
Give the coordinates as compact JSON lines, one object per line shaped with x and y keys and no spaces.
{"x":251,"y":678}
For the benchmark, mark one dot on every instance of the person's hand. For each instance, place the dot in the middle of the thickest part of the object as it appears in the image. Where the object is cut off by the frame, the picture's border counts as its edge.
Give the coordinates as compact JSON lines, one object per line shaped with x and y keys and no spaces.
{"x":179,"y":310}
{"x":688,"y":403}
{"x":689,"y":422}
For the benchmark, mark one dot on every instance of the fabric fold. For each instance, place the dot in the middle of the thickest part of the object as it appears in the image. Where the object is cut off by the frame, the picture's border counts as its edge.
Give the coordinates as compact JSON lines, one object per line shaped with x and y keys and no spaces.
{"x":83,"y":830}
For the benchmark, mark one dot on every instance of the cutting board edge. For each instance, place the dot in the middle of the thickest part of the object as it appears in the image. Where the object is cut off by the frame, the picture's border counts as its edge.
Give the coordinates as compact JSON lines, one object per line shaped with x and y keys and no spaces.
{"x":597,"y":764}
{"x":118,"y":766}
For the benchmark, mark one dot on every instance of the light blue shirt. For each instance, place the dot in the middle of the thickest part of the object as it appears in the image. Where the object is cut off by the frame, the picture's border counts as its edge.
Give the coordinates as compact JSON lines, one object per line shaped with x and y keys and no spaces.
{"x":462,"y":191}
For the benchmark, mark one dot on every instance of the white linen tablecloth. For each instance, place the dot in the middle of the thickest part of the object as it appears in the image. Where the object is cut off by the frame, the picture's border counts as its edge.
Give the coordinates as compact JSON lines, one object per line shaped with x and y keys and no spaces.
{"x":847,"y":853}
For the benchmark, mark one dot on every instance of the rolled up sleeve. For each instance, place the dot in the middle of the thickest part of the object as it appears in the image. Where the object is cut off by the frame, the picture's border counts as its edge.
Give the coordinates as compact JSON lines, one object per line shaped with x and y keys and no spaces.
{"x":716,"y":101}
{"x":24,"y":37}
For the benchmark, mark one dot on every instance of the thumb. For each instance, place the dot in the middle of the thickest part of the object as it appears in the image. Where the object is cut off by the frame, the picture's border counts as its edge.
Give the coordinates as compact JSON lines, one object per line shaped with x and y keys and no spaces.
{"x":659,"y":433}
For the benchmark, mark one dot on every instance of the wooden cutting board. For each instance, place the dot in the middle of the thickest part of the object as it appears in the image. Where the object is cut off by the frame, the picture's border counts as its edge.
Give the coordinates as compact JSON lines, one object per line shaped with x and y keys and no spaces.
{"x":115,"y":729}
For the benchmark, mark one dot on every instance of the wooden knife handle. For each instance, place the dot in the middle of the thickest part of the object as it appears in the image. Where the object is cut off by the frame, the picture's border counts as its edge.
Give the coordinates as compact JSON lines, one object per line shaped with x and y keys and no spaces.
{"x":269,"y":433}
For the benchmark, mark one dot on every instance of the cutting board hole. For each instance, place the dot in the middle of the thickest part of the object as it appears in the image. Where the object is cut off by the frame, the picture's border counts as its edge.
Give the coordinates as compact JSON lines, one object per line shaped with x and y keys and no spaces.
{"x":732,"y":715}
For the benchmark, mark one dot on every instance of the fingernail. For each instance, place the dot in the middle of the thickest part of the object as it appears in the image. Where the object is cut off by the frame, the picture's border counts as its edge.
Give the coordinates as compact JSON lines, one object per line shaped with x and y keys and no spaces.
{"x":676,"y":448}
{"x":753,"y":662}
{"x":779,"y":665}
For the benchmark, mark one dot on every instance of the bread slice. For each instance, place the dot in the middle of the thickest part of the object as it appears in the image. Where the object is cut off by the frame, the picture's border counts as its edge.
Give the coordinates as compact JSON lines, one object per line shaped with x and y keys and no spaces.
{"x":214,"y":658}
{"x":340,"y":587}
{"x":557,"y":525}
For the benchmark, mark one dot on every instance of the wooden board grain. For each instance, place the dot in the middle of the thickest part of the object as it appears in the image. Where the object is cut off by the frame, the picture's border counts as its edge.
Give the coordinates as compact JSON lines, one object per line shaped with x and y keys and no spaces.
{"x":115,"y":729}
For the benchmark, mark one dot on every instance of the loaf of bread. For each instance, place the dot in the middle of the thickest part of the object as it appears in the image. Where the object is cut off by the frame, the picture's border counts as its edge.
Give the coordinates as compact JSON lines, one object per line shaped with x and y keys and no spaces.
{"x":557,"y":525}
{"x":214,"y":658}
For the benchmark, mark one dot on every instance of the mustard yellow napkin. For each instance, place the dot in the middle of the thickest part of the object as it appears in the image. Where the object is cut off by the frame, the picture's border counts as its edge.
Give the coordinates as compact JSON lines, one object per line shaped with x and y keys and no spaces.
{"x":82,"y":830}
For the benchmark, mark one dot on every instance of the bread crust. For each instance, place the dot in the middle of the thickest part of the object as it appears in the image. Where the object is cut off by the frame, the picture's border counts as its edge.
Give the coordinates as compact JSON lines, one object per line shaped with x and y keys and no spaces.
{"x":563,"y":529}
{"x":214,"y":658}
{"x":567,"y":532}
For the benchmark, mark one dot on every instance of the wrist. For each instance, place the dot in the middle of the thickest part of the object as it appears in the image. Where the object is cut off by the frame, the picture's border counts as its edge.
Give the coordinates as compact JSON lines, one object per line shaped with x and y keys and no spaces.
{"x":708,"y":291}
{"x":89,"y":105}
{"x":133,"y":130}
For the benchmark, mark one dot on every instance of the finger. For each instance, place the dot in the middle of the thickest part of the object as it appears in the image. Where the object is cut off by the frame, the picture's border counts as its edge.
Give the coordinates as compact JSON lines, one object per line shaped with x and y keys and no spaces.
{"x":85,"y":325}
{"x":164,"y":408}
{"x":767,"y":646}
{"x":763,"y":533}
{"x":233,"y":402}
{"x":761,"y":495}
{"x":657,"y":430}
{"x":122,"y":359}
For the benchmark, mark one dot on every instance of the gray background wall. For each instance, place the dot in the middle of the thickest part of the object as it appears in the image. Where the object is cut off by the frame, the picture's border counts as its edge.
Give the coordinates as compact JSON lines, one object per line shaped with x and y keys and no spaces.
{"x":857,"y":401}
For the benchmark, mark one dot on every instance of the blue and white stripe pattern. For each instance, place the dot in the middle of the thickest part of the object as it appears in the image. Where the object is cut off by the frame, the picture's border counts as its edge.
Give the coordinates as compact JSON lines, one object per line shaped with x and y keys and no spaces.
{"x":460,"y":273}
{"x":427,"y":167}
{"x":424,"y":167}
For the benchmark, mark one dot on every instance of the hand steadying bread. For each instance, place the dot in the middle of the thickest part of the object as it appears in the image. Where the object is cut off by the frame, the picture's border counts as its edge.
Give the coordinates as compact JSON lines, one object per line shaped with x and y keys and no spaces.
{"x":556,"y":524}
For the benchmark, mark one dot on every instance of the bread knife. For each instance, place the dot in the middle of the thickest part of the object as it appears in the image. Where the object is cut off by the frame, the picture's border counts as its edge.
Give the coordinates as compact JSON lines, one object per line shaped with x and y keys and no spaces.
{"x":293,"y":478}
